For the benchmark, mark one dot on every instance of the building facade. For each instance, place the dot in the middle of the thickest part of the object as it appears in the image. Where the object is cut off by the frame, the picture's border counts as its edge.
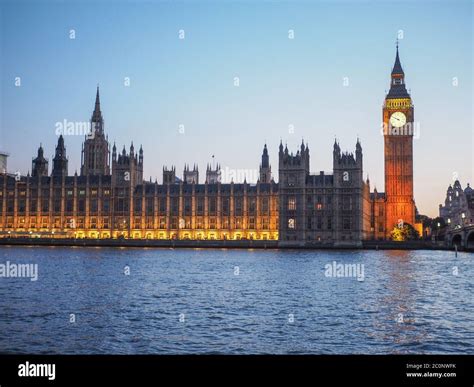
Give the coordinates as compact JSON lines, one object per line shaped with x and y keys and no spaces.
{"x":458,"y":209}
{"x":396,"y":206}
{"x":110,"y":199}
{"x":322,"y":209}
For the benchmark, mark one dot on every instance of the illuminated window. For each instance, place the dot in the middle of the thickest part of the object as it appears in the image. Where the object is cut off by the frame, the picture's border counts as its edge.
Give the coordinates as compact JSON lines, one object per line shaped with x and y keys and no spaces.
{"x":252,"y":223}
{"x":291,"y":223}
{"x":292,"y":203}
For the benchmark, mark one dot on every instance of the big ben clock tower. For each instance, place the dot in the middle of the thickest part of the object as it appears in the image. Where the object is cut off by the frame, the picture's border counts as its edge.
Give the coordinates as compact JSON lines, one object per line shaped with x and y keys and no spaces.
{"x":398,"y":118}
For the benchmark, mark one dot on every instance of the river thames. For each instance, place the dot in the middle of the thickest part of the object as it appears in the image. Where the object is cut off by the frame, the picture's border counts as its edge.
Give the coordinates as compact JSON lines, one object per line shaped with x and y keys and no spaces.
{"x":218,"y":301}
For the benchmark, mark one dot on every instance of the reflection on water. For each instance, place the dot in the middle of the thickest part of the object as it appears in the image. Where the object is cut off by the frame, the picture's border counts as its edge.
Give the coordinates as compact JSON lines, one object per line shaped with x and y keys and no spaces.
{"x":236,"y":301}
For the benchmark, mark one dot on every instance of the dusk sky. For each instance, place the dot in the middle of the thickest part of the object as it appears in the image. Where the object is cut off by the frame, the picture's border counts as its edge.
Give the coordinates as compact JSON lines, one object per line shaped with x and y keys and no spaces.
{"x":283,"y":83}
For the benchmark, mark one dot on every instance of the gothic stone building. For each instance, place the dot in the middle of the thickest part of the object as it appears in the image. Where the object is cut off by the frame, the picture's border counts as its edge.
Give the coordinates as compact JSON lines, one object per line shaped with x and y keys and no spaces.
{"x":458,"y":209}
{"x":110,"y":199}
{"x":322,"y":209}
{"x":396,"y":206}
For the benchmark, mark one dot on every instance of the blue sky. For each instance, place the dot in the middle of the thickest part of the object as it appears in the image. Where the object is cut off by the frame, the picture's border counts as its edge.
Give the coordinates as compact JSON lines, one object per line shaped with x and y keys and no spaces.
{"x":283,"y":81}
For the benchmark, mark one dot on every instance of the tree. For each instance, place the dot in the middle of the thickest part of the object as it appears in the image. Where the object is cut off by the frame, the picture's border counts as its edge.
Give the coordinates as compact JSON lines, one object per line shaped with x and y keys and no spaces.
{"x":405,"y":233}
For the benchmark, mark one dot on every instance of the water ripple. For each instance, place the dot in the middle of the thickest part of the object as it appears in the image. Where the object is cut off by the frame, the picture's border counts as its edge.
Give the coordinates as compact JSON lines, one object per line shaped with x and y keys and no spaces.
{"x":191,"y":301}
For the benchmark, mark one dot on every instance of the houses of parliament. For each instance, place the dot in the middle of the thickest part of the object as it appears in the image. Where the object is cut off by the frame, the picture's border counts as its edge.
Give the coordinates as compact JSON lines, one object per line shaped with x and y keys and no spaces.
{"x":110,"y":199}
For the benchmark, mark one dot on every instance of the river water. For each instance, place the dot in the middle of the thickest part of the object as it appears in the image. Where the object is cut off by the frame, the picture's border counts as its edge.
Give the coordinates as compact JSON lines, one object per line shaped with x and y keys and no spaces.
{"x":181,"y":301}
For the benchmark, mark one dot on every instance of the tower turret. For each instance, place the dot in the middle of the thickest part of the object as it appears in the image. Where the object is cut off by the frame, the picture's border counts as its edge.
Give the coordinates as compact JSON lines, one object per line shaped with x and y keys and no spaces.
{"x":60,"y":161}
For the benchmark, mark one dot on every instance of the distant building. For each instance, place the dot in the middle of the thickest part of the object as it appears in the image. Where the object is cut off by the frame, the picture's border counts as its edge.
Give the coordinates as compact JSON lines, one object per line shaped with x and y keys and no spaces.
{"x":3,"y":162}
{"x":458,"y":209}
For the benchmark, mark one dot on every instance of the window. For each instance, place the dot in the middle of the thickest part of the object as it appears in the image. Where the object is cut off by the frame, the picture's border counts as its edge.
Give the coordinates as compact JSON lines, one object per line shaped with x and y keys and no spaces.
{"x":238,"y":206}
{"x":346,"y":203}
{"x":162,"y":222}
{"x":149,"y":206}
{"x":21,"y":205}
{"x":138,"y":205}
{"x":199,"y":222}
{"x":105,"y":205}
{"x":252,"y":223}
{"x":225,"y":222}
{"x":212,"y":223}
{"x":187,"y":206}
{"x":174,"y":206}
{"x":212,"y":205}
{"x":346,"y":223}
{"x":225,"y":206}
{"x":252,"y":205}
{"x":162,"y":206}
{"x":292,"y":203}
{"x":174,"y":222}
{"x":200,"y":206}
{"x":291,"y":223}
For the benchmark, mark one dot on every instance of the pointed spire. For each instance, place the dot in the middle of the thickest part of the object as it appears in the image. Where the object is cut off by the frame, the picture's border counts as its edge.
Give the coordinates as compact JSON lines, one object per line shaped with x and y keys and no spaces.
{"x":397,"y":84}
{"x":61,"y":141}
{"x":97,"y":114}
{"x":397,"y":67}
{"x":97,"y":99}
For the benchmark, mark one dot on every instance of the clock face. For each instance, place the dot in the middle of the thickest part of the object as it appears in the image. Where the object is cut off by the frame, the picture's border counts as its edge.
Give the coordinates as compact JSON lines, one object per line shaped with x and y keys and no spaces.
{"x":398,"y":119}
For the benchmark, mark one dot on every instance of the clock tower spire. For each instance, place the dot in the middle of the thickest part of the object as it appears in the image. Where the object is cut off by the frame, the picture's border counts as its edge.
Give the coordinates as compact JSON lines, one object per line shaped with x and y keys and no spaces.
{"x":398,"y":119}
